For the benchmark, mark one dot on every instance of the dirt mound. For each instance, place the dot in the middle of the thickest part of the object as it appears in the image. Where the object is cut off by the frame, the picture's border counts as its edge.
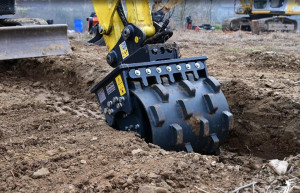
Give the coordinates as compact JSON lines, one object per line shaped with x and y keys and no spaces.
{"x":271,"y":60}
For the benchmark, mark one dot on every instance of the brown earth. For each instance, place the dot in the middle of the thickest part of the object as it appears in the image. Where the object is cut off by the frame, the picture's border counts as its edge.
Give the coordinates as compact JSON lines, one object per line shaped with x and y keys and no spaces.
{"x":50,"y":120}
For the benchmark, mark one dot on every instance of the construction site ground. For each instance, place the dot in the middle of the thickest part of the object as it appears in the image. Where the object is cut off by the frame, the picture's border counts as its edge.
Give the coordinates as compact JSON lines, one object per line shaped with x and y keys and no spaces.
{"x":54,"y":138}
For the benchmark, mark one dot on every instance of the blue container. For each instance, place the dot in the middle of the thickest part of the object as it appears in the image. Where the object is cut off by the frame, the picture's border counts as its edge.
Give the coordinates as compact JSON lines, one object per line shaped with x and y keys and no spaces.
{"x":78,"y":25}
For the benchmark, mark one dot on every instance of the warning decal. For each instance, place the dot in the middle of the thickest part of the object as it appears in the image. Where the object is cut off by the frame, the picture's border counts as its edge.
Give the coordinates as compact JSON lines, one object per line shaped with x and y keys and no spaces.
{"x":110,"y":88}
{"x":124,"y":50}
{"x":120,"y":85}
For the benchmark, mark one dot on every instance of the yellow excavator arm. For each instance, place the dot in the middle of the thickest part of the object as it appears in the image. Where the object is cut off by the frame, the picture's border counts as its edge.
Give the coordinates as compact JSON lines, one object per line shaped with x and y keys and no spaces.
{"x":138,"y":13}
{"x":165,"y":6}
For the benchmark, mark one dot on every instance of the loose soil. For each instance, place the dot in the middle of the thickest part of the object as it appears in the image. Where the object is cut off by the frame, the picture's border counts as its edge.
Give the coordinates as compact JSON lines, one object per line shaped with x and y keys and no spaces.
{"x":50,"y":120}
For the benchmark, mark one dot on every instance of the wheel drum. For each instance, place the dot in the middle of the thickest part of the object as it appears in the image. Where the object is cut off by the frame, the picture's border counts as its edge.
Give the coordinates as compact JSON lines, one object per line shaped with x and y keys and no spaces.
{"x":187,"y":115}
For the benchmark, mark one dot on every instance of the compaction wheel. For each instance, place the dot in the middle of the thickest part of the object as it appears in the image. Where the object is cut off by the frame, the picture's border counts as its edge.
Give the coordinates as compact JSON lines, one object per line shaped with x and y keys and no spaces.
{"x":172,"y":103}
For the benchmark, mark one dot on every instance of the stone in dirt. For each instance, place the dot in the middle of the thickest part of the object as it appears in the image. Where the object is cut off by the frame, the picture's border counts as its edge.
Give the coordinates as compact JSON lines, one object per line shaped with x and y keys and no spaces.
{"x":152,"y":189}
{"x":280,"y":167}
{"x":37,"y":84}
{"x":136,"y":151}
{"x":52,"y":152}
{"x":41,"y":173}
{"x":94,"y":138}
{"x":83,"y":161}
{"x":153,"y":175}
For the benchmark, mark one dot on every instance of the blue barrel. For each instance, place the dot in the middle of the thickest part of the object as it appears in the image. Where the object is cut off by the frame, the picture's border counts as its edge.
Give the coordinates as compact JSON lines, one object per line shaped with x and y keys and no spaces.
{"x":78,"y":25}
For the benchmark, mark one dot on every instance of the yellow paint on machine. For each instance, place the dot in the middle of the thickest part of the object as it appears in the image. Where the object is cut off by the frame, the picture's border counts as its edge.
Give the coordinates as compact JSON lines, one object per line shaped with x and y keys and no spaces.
{"x":120,"y":85}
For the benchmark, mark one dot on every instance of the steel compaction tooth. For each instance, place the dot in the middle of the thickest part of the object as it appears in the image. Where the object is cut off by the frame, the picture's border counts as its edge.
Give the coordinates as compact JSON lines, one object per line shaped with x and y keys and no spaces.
{"x":162,"y":92}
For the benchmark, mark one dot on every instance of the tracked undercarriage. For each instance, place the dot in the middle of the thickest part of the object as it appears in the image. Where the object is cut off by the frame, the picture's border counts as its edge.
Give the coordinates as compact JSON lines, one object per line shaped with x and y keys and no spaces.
{"x":269,"y":24}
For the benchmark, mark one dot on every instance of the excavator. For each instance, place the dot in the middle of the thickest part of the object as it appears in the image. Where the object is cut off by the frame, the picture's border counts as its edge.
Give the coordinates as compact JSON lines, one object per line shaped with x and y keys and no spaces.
{"x":269,"y":14}
{"x":29,"y":37}
{"x":169,"y":101}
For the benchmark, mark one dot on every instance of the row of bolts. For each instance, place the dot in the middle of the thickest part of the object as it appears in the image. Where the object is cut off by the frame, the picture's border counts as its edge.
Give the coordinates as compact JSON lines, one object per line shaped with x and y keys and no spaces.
{"x":168,"y":68}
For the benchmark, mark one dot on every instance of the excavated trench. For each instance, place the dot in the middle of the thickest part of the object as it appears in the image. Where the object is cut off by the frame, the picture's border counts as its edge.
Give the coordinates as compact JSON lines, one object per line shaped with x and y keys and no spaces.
{"x":50,"y":120}
{"x":263,"y":127}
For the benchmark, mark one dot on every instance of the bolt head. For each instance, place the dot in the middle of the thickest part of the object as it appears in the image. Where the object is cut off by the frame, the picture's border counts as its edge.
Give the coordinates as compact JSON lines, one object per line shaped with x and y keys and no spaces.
{"x":112,"y":58}
{"x":105,"y":110}
{"x":127,"y":32}
{"x":121,"y":99}
{"x":169,"y":69}
{"x":148,"y":71}
{"x":154,"y":50}
{"x":158,"y":70}
{"x":115,"y":99}
{"x":119,"y":105}
{"x":178,"y":67}
{"x":197,"y":65}
{"x":110,"y":111}
{"x":137,"y":72}
{"x":188,"y":66}
{"x":109,"y":103}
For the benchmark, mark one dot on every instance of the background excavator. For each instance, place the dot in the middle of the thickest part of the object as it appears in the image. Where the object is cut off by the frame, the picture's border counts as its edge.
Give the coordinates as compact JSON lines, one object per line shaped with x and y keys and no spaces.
{"x":29,"y":37}
{"x":169,"y":101}
{"x":270,"y":14}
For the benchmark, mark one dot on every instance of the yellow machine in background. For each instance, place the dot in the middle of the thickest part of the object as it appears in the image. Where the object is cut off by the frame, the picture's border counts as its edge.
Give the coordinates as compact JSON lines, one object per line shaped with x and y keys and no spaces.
{"x":270,"y":14}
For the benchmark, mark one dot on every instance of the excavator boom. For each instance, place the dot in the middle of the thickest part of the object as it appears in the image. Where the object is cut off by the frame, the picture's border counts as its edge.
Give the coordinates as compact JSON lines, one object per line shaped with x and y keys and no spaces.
{"x":165,"y":6}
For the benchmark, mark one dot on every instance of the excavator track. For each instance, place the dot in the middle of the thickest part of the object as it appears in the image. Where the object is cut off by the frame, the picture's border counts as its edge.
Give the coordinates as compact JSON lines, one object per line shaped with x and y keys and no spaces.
{"x":277,"y":24}
{"x":270,"y":24}
{"x":172,"y":103}
{"x":235,"y":24}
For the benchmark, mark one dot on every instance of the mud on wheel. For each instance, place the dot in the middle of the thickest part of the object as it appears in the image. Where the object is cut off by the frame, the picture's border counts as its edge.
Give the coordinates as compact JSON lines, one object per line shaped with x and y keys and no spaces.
{"x":172,"y":103}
